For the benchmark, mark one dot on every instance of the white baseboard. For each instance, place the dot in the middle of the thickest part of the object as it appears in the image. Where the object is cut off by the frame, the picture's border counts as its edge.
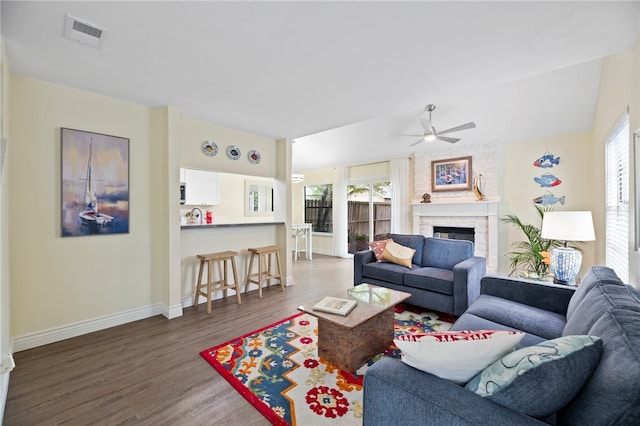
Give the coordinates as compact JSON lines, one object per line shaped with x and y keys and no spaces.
{"x":172,"y":312}
{"x":4,"y":391}
{"x":326,"y":252}
{"x":56,"y":334}
{"x":187,"y":301}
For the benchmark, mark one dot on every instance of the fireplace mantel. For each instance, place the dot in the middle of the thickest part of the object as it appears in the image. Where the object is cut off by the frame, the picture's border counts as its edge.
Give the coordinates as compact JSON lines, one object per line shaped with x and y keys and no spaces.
{"x":482,"y":215}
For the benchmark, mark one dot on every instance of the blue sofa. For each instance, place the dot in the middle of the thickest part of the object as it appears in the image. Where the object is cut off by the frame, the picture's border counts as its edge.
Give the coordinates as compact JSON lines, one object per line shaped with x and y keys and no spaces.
{"x":602,"y":306}
{"x":444,"y":275}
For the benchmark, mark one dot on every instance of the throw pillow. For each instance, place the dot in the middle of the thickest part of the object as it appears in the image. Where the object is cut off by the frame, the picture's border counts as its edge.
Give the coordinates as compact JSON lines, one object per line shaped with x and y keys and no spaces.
{"x":395,"y":253}
{"x":456,"y":355}
{"x":539,"y":380}
{"x":378,"y":248}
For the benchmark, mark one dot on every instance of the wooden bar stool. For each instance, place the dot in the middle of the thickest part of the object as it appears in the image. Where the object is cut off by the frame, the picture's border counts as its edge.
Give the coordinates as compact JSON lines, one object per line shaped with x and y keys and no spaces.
{"x":223,"y":283}
{"x":264,"y":268}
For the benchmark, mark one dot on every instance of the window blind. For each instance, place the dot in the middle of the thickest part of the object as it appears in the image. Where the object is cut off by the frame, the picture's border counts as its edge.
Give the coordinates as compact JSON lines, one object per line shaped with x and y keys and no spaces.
{"x":617,"y":199}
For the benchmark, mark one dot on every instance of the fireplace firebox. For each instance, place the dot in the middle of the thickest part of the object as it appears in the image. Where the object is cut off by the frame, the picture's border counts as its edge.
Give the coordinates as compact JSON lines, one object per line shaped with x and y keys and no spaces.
{"x":454,"y":233}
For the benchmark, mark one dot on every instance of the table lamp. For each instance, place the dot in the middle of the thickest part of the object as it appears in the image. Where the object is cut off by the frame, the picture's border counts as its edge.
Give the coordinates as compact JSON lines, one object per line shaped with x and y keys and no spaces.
{"x":567,"y":226}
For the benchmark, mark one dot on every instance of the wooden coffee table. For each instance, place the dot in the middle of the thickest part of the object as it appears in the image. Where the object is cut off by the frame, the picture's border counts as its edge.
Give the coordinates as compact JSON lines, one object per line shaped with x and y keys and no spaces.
{"x":351,"y":340}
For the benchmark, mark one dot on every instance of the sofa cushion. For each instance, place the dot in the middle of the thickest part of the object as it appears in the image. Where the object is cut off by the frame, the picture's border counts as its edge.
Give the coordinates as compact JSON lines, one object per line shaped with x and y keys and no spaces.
{"x":553,"y":371}
{"x":595,"y":276}
{"x":444,"y":253}
{"x":384,"y":271}
{"x":432,"y":279}
{"x":416,"y":242}
{"x":456,"y":356}
{"x":529,"y":319}
{"x":601,"y":297}
{"x":398,"y":254}
{"x":612,"y":395}
{"x":378,"y":247}
{"x":469,"y":321}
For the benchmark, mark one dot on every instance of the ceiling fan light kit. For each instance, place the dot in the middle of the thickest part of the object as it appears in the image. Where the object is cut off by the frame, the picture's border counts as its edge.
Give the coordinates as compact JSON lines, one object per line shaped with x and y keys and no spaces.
{"x":430,"y":133}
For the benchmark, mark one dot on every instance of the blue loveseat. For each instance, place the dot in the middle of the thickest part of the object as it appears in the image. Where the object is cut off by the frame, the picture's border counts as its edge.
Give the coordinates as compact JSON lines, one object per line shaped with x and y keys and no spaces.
{"x":602,"y":306}
{"x":444,"y":275}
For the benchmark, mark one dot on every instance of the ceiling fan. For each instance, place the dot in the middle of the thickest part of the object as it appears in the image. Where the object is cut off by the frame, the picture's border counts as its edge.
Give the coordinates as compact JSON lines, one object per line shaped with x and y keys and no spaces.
{"x":431,"y":134}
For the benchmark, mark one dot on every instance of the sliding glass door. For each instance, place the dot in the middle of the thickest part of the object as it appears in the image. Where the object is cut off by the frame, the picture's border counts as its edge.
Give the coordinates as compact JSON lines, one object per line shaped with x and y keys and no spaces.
{"x":368,"y":212}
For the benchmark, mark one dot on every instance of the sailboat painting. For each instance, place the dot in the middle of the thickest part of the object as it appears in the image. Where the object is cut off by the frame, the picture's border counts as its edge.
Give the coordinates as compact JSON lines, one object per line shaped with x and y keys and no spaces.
{"x":95,"y":183}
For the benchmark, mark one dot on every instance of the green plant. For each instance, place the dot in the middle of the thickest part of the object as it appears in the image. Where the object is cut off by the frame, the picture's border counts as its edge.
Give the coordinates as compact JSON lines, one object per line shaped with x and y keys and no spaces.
{"x":528,"y":256}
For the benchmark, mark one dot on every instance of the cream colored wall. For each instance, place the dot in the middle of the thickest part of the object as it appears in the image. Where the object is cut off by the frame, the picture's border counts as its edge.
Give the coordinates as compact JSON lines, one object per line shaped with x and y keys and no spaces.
{"x":194,"y":132}
{"x":519,"y":189}
{"x":368,"y":172}
{"x":165,"y":240}
{"x":231,"y":208}
{"x":56,"y":282}
{"x":59,"y":281}
{"x":619,"y":89}
{"x":5,"y":323}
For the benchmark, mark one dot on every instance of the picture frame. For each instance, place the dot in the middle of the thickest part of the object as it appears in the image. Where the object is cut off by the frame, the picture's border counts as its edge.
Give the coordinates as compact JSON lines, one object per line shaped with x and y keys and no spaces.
{"x":453,"y":174}
{"x":94,"y":182}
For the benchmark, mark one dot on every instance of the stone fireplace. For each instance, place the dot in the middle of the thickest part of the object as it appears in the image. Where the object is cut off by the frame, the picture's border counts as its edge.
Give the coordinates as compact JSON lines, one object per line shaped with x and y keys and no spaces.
{"x":482,"y":216}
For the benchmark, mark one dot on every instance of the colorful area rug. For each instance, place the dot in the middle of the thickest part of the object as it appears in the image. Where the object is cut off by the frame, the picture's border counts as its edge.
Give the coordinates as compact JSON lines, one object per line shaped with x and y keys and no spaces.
{"x":278,"y":371}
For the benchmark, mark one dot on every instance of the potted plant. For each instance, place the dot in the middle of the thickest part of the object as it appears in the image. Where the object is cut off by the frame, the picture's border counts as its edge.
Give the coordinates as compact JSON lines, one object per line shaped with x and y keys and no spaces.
{"x":531,"y":256}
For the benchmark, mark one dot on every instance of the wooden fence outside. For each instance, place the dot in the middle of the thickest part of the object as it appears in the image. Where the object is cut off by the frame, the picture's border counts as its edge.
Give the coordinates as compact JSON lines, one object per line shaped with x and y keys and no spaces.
{"x":319,"y":214}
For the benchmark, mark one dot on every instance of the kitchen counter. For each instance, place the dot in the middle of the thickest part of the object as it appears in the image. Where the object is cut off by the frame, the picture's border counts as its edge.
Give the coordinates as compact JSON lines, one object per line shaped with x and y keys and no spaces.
{"x":229,"y":225}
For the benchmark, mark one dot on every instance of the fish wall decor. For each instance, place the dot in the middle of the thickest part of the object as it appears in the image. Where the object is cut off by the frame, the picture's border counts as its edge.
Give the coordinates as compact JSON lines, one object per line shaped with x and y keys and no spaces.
{"x":547,"y":180}
{"x":548,"y":199}
{"x":547,"y":161}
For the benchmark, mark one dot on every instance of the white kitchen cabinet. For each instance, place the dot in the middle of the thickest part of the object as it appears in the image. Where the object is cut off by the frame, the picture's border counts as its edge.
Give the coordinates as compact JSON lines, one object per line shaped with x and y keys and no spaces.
{"x":202,"y":187}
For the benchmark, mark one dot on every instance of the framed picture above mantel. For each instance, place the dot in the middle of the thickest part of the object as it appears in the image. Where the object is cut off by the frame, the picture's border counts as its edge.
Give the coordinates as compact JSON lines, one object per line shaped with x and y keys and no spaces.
{"x":453,"y":174}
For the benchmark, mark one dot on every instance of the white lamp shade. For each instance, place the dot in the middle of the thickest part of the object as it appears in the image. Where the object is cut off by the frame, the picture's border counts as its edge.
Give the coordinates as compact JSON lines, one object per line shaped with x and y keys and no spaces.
{"x":568,"y":226}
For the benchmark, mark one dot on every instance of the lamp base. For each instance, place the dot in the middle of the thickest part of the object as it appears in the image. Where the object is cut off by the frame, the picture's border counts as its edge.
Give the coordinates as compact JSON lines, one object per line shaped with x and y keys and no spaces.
{"x":565,"y":264}
{"x":557,"y":281}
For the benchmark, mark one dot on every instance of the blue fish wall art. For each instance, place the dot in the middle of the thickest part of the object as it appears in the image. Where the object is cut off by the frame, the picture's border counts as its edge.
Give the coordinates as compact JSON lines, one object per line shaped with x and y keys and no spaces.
{"x":548,"y":199}
{"x":547,"y":180}
{"x":547,"y":161}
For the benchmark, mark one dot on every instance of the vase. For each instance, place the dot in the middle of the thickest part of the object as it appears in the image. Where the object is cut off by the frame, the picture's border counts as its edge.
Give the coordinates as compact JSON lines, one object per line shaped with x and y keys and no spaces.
{"x":478,"y":182}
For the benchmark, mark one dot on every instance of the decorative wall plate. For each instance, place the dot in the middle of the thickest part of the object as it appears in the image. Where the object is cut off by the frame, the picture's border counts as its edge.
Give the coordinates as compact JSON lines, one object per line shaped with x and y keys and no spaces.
{"x":254,"y":156}
{"x":209,"y":148}
{"x":233,"y":152}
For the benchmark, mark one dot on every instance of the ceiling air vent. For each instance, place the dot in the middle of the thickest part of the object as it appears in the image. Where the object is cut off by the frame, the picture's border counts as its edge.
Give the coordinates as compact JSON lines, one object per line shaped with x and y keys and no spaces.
{"x":83,"y":32}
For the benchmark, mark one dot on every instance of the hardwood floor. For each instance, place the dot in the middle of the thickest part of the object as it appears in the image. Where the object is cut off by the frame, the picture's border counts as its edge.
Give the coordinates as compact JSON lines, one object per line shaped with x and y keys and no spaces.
{"x":149,"y":372}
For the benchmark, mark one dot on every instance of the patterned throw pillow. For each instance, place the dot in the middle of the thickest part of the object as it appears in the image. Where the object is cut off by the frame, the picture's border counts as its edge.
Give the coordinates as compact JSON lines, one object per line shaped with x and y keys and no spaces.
{"x":456,"y":355}
{"x":539,"y":380}
{"x":396,"y":253}
{"x":378,"y":248}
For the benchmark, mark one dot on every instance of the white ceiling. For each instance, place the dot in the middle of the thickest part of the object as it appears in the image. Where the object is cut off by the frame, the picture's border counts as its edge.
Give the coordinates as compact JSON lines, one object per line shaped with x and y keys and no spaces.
{"x":344,"y":79}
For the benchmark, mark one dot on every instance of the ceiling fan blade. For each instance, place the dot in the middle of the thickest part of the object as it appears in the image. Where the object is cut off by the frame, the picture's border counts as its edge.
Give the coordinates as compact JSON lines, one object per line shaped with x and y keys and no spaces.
{"x":465,"y":126}
{"x":413,"y":136}
{"x":426,"y":124}
{"x":417,"y":142}
{"x":447,"y":139}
